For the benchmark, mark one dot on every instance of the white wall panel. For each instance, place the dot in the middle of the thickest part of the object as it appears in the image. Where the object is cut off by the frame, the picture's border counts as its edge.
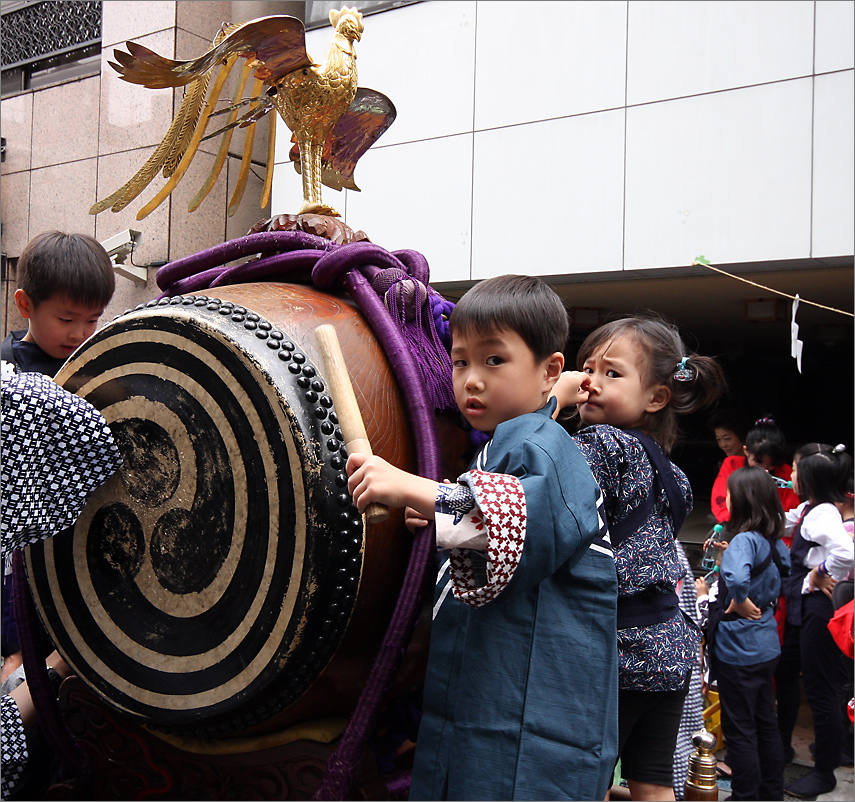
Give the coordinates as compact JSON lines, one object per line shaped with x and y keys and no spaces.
{"x":422,"y":57}
{"x":722,"y":168}
{"x":726,"y":175}
{"x":834,"y":165}
{"x":540,"y":60}
{"x":678,"y":48}
{"x":286,"y":195}
{"x":548,"y":197}
{"x":835,"y":35}
{"x":418,"y":195}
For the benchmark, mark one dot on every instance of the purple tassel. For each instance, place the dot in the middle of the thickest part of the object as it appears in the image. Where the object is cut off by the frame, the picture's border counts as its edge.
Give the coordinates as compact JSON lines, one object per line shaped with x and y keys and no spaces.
{"x":408,"y":302}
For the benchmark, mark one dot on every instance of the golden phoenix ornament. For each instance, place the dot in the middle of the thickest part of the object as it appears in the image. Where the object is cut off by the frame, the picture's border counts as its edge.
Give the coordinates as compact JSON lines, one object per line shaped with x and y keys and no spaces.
{"x":333,"y":121}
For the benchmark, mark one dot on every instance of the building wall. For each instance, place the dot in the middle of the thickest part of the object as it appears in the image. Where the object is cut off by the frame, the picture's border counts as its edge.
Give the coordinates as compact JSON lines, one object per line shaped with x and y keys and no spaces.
{"x":71,"y":144}
{"x":603,"y":145}
{"x":597,"y":138}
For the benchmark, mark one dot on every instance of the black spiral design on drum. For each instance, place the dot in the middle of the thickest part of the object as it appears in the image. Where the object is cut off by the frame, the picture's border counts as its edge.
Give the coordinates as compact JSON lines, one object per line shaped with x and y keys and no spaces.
{"x":207,"y":584}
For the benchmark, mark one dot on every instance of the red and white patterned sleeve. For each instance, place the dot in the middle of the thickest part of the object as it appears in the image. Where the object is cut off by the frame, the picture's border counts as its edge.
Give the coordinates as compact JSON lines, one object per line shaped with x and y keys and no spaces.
{"x":488,"y":510}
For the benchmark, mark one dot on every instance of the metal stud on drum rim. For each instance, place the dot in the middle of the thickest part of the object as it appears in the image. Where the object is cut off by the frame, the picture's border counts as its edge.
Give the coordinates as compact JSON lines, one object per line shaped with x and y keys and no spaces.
{"x":147,"y":595}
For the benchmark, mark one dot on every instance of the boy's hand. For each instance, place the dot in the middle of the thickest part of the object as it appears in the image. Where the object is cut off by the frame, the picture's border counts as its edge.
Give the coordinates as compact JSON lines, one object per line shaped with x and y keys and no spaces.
{"x":746,"y":609}
{"x":701,"y":587}
{"x":374,"y":479}
{"x":571,"y":389}
{"x":414,"y":520}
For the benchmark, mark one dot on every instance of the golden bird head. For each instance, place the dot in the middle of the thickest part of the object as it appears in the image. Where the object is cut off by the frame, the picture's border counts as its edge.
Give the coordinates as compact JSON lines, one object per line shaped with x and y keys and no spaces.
{"x":347,"y":22}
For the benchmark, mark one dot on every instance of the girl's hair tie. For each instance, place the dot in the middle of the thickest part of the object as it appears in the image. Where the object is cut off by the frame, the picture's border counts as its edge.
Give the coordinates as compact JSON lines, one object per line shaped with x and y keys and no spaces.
{"x":839,"y":448}
{"x":684,"y":372}
{"x":767,"y":421}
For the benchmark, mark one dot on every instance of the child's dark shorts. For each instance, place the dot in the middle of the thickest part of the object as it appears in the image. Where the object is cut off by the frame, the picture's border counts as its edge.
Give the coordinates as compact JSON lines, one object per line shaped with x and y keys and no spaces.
{"x":648,"y":725}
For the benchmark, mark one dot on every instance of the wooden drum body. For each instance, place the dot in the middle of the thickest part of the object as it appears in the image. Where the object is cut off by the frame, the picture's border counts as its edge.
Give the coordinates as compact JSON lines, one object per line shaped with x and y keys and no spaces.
{"x":223,"y":581}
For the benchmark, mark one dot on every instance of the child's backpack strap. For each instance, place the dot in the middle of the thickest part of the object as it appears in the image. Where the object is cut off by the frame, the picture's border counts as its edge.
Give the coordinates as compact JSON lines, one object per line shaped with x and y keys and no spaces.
{"x":764,"y":564}
{"x":620,"y":530}
{"x":665,"y":473}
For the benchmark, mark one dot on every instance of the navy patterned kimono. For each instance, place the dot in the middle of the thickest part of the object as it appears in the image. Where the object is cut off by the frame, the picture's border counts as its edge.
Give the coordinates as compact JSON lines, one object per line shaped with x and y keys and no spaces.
{"x":520,"y":697}
{"x":658,"y":656}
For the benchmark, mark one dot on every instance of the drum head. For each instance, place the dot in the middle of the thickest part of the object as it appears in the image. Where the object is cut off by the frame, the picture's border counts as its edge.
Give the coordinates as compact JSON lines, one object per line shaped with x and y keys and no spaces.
{"x":207,"y":584}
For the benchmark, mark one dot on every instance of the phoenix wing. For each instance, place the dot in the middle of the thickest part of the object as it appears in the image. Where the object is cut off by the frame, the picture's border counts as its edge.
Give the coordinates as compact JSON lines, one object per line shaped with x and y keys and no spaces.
{"x":277,"y":42}
{"x":365,"y":121}
{"x":272,"y":46}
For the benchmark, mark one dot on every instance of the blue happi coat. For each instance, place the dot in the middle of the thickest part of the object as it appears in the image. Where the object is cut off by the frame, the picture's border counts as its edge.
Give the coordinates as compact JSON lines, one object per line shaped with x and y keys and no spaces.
{"x":520,"y":697}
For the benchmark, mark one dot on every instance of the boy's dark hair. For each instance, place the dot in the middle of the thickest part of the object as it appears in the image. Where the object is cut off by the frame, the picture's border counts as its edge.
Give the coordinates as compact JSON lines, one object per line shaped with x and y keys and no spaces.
{"x":734,"y":420}
{"x":824,"y":472}
{"x":72,"y":266}
{"x":523,"y":304}
{"x":664,"y":351}
{"x":765,"y":439}
{"x":755,"y":504}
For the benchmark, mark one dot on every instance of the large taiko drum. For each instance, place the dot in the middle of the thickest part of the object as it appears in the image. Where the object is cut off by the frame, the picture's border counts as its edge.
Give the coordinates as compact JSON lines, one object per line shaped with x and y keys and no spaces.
{"x":223,"y":580}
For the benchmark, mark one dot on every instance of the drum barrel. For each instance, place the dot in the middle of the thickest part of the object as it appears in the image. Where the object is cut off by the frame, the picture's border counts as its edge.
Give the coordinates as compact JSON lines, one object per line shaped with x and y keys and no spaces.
{"x":223,"y":581}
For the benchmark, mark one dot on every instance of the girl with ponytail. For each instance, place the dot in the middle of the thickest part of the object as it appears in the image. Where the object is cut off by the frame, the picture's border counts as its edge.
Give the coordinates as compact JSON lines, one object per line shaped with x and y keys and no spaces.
{"x":639,"y":378}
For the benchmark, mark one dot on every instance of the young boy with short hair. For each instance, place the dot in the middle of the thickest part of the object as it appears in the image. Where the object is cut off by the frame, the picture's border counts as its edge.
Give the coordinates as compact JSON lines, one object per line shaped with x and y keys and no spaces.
{"x":64,"y":283}
{"x":520,"y":697}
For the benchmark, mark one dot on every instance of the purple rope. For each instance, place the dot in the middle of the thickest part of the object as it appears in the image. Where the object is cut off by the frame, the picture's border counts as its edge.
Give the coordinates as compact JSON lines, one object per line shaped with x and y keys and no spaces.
{"x":70,"y":758}
{"x":251,"y":244}
{"x":416,"y":264}
{"x":353,"y":265}
{"x":344,"y":763}
{"x":269,"y":267}
{"x":398,"y":784}
{"x":335,"y":263}
{"x":191,"y":284}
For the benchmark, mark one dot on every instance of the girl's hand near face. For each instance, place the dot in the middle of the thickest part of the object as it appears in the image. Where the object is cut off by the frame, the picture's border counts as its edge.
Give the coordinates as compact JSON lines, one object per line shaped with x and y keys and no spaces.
{"x":701,"y":587}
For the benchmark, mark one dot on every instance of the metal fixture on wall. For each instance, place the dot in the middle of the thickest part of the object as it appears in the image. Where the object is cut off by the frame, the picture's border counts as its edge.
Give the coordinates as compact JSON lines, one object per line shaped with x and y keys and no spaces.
{"x":121,"y":246}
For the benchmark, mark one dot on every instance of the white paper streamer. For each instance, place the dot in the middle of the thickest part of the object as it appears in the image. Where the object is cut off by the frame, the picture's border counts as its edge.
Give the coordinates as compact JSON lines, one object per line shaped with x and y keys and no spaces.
{"x":796,"y":344}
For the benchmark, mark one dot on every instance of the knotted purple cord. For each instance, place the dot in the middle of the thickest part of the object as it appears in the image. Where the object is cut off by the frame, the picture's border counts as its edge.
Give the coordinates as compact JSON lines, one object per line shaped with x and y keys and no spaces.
{"x":249,"y":245}
{"x":351,"y":265}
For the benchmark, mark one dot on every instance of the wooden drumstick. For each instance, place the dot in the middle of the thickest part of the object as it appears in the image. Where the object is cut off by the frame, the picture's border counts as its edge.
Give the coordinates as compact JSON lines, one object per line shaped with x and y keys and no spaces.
{"x":347,"y":410}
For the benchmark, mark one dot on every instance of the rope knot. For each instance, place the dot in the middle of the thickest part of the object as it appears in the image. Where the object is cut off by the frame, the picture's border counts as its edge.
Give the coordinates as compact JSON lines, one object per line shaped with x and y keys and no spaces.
{"x":399,"y":291}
